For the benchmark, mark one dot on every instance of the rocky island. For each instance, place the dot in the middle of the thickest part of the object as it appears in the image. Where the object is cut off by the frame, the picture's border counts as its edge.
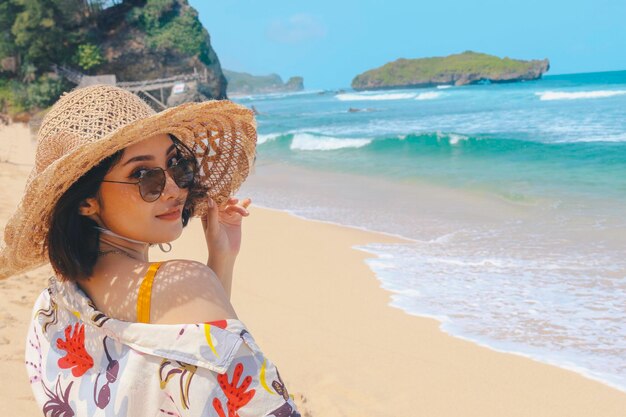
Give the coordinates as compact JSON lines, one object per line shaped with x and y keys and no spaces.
{"x":244,"y":83}
{"x":459,"y":69}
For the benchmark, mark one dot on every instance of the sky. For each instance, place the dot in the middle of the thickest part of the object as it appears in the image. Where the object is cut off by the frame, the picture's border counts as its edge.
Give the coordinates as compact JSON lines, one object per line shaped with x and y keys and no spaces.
{"x":330,"y":42}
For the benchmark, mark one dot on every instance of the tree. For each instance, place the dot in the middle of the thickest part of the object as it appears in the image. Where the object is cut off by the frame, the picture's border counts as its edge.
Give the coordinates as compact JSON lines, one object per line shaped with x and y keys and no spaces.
{"x":89,"y":56}
{"x":48,"y":31}
{"x":37,"y":33}
{"x":8,"y":12}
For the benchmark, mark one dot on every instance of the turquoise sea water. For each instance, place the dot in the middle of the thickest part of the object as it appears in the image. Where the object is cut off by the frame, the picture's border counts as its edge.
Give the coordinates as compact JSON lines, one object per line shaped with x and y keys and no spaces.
{"x":513,"y":195}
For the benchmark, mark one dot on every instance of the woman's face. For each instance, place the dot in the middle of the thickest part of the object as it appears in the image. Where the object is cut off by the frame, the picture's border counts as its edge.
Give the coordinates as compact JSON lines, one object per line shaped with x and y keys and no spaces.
{"x":121,"y":208}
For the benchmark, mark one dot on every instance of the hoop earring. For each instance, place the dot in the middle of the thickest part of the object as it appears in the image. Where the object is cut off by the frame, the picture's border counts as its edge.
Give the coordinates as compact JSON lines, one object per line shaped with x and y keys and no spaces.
{"x":168,"y":249}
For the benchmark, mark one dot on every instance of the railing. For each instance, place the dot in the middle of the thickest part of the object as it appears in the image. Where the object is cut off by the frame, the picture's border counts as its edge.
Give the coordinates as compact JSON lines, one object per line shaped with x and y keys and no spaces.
{"x":158,"y":83}
{"x":143,"y":87}
{"x":70,"y":74}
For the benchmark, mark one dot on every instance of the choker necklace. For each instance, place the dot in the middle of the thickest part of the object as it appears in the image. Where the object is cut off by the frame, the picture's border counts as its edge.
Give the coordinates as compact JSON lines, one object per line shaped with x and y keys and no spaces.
{"x":119,"y":249}
{"x":106,"y":252}
{"x":110,"y":232}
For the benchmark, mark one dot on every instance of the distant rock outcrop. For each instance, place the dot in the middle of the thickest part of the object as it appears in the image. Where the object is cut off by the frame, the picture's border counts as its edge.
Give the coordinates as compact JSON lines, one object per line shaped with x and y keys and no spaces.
{"x":459,"y":69}
{"x":295,"y":84}
{"x":244,"y":83}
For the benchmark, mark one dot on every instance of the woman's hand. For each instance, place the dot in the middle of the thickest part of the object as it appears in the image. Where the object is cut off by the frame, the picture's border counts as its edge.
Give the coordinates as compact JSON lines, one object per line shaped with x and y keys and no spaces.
{"x":222,"y":228}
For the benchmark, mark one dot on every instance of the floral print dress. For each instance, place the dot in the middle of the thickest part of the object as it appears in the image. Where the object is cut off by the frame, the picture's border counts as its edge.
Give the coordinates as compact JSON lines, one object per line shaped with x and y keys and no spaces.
{"x":83,"y":363}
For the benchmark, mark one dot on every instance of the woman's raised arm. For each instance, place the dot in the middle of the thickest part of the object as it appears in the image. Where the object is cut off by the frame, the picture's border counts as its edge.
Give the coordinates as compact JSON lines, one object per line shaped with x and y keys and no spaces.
{"x":222,"y":230}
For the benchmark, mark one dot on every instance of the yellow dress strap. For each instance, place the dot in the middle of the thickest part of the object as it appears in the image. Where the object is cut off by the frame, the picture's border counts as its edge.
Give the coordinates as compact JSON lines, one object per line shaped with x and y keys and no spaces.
{"x":145,"y":290}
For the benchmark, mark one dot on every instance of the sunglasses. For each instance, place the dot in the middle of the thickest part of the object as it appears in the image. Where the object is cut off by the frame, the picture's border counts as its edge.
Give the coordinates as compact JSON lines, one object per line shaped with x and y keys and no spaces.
{"x":152,"y":181}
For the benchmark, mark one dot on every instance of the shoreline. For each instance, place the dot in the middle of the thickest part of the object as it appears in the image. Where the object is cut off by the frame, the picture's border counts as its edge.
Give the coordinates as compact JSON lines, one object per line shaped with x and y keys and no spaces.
{"x":317,"y":310}
{"x":374,"y":312}
{"x":445,"y":323}
{"x":456,"y":260}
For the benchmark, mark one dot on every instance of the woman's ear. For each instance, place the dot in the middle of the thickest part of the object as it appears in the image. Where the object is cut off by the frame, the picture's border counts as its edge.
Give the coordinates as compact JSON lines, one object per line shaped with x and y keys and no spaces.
{"x":88,"y":207}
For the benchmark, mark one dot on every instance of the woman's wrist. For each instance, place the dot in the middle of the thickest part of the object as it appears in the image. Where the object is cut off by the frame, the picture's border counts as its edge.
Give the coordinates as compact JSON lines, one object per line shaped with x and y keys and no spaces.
{"x":216,"y":257}
{"x":220,"y":264}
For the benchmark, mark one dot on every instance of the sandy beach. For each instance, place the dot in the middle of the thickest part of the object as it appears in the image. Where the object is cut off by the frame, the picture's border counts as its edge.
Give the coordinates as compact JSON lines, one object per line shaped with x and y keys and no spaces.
{"x":318,"y":311}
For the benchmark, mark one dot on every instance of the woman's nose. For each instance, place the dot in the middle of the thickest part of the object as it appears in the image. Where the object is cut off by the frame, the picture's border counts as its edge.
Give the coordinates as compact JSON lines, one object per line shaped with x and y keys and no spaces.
{"x":171,"y":188}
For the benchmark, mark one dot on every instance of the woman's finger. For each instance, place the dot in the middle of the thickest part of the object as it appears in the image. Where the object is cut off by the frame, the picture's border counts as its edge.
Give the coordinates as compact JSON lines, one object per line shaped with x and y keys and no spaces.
{"x":210,"y":220}
{"x":235,"y":209}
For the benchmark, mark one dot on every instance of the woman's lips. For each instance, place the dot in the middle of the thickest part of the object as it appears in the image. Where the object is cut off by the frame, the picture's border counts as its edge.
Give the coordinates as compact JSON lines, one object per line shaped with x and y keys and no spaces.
{"x":170,"y":216}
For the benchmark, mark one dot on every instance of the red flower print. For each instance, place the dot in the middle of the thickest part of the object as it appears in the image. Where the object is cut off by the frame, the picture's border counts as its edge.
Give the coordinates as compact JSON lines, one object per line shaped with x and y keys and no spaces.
{"x":218,"y":323}
{"x":77,"y":357}
{"x":237,"y":396}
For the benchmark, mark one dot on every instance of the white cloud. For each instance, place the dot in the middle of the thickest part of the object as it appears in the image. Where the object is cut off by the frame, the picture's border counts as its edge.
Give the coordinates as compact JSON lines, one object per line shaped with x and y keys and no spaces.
{"x":296,"y":29}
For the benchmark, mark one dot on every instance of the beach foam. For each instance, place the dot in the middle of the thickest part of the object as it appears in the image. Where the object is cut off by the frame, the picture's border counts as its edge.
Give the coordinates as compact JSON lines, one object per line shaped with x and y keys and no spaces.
{"x":513,"y":303}
{"x":428,"y":96}
{"x":452,"y":138}
{"x":374,"y":97}
{"x":308,"y":142}
{"x":563,"y":95}
{"x":621,"y":137}
{"x":261,"y":139}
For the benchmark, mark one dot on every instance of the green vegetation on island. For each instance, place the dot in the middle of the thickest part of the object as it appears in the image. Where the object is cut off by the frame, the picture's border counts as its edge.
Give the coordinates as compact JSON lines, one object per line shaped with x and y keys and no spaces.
{"x":458,"y":69}
{"x":133,"y":39}
{"x":244,"y":83}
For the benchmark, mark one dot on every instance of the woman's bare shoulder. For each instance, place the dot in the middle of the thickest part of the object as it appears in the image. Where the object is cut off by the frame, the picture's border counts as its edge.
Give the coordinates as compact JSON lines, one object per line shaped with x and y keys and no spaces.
{"x":187,"y":291}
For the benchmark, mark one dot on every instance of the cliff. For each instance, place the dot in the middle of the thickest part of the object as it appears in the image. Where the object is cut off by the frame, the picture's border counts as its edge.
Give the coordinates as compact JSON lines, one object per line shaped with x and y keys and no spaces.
{"x":49,"y":44}
{"x":458,"y":69}
{"x":142,"y":40}
{"x":244,"y":83}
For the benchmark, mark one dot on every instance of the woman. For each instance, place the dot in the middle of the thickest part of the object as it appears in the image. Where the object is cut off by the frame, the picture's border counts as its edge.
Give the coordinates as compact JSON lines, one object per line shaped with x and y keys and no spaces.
{"x":116,"y":334}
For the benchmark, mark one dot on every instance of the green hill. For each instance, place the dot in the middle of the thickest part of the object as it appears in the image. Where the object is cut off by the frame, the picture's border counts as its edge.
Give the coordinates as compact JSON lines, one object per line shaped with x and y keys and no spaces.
{"x":458,"y":69}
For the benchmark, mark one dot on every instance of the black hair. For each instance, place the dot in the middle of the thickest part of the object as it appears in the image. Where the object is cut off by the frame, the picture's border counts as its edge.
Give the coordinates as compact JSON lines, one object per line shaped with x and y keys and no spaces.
{"x":73,"y":240}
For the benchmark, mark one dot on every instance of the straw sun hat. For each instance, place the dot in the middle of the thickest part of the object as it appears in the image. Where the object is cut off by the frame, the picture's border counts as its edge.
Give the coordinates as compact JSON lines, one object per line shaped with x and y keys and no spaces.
{"x":89,"y":124}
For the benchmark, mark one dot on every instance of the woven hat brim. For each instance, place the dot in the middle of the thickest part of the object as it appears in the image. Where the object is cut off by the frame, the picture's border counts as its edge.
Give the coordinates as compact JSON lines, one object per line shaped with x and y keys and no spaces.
{"x":221,"y":133}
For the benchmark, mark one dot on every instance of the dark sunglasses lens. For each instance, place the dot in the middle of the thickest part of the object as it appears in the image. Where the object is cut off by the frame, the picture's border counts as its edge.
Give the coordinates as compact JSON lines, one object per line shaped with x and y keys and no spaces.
{"x":104,"y":396}
{"x":183,"y":173}
{"x":151,"y":184}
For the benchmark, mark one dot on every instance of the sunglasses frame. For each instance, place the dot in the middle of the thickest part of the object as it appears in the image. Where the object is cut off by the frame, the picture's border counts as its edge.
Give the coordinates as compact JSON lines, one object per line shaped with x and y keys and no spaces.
{"x":162,"y":185}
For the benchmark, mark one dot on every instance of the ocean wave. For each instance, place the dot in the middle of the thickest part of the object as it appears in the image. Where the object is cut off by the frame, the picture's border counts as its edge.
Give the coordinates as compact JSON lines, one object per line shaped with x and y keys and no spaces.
{"x":261,"y":139}
{"x":308,"y":142}
{"x":441,"y":87}
{"x":417,"y":143}
{"x":599,"y":138}
{"x":375,"y":97}
{"x":454,"y":138}
{"x":272,"y":96}
{"x":428,"y":96}
{"x":443,"y":144}
{"x":451,"y":138}
{"x":563,"y":95}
